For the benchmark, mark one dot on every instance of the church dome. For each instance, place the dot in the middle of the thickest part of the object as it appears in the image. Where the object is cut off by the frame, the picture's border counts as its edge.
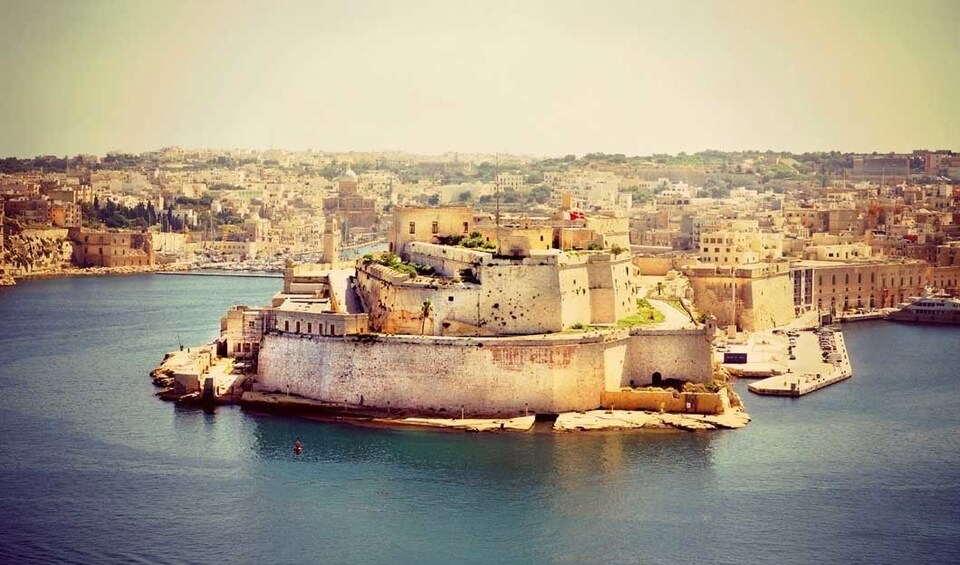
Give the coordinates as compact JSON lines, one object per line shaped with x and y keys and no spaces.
{"x":349,"y":175}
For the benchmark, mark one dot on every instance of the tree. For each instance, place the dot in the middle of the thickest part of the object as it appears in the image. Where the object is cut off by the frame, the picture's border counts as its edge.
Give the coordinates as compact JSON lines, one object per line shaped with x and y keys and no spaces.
{"x":425,"y":312}
{"x":151,"y":214}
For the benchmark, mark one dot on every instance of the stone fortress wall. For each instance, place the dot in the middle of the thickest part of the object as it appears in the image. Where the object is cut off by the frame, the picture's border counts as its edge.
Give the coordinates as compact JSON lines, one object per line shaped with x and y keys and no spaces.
{"x":541,"y":293}
{"x":545,"y":374}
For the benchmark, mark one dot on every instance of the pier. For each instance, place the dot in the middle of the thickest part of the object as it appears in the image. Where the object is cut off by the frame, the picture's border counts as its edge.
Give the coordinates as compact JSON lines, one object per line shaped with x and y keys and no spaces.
{"x":808,"y":372}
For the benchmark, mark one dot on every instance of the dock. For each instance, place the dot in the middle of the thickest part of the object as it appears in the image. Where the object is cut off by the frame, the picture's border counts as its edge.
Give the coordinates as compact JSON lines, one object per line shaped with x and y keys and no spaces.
{"x":863,"y":317}
{"x":254,"y":275}
{"x":792,"y":384}
{"x":808,"y":372}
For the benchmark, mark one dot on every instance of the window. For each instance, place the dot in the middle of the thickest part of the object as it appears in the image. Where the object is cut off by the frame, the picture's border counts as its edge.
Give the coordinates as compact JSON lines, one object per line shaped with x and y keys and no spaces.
{"x":309,"y":327}
{"x":286,"y":325}
{"x":449,"y":299}
{"x":413,"y":227}
{"x":466,"y":227}
{"x":435,"y":228}
{"x":251,"y":324}
{"x":298,"y":327}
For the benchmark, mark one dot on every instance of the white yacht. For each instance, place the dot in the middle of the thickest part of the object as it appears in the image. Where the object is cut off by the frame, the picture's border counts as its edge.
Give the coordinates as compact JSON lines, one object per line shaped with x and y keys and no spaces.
{"x":939,"y":309}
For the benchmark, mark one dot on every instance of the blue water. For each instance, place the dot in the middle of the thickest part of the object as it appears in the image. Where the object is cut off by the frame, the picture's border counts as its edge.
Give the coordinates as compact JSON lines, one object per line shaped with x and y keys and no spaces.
{"x":94,"y":469}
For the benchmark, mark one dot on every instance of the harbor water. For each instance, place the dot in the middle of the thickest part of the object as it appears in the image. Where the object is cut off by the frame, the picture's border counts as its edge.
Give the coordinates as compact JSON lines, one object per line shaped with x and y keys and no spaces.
{"x":94,"y":469}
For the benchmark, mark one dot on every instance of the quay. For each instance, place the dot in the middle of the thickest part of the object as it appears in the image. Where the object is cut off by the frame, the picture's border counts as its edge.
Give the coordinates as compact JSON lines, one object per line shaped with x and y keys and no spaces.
{"x":255,"y":275}
{"x":880,"y":314}
{"x":807,"y":372}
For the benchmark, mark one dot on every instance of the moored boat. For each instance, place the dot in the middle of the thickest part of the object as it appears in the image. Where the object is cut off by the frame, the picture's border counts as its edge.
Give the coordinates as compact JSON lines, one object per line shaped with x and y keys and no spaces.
{"x":939,"y":309}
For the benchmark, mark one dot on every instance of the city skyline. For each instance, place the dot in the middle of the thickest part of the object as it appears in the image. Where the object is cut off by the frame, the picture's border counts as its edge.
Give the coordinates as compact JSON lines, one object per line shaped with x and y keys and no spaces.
{"x":543,"y":79}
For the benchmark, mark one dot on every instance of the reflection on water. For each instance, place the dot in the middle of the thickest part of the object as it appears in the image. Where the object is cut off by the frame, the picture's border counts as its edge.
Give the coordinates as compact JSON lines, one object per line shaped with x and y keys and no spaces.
{"x":94,"y":469}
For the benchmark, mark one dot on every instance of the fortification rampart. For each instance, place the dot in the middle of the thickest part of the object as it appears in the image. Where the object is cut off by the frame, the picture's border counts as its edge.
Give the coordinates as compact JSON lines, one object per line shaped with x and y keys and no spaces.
{"x":547,"y":374}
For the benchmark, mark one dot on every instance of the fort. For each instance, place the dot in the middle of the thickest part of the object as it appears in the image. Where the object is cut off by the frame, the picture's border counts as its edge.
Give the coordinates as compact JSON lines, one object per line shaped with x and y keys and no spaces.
{"x":445,"y":328}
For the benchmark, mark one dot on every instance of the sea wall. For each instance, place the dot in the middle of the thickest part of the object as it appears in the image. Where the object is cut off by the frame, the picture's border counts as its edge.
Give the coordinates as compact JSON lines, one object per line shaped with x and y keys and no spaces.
{"x":489,"y":376}
{"x":435,"y":374}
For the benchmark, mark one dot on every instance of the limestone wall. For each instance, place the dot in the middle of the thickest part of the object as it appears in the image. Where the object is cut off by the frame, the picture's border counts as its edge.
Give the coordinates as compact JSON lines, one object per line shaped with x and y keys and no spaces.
{"x":484,"y":375}
{"x":442,"y":374}
{"x":750,"y":303}
{"x":672,"y":402}
{"x":395,"y":305}
{"x":676,"y":354}
{"x":532,"y":299}
{"x":446,"y":260}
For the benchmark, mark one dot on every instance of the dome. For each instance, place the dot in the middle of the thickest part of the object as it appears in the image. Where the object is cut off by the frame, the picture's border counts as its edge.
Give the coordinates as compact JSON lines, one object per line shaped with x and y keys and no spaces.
{"x":348,"y":175}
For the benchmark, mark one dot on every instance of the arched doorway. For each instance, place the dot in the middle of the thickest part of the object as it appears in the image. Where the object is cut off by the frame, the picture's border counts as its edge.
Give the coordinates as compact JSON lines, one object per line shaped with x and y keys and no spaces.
{"x":657,"y":378}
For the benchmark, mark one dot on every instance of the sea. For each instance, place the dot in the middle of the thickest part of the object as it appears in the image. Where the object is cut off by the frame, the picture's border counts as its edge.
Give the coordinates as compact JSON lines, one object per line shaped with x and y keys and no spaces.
{"x":95,"y":469}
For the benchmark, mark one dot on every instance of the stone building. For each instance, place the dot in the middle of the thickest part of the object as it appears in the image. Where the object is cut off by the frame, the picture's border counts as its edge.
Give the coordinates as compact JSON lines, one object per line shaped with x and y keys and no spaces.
{"x":242,"y":330}
{"x":750,"y":297}
{"x":838,"y":286}
{"x":426,"y":224}
{"x":65,"y":214}
{"x":102,"y":248}
{"x":356,"y":212}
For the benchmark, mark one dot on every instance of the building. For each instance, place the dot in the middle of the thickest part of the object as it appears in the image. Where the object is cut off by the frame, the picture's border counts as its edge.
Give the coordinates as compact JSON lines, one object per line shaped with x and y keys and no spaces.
{"x":427,"y":224}
{"x":355,"y":211}
{"x":29,"y":209}
{"x":65,"y":214}
{"x":892,"y":169}
{"x":101,"y":248}
{"x":751,"y":297}
{"x":839,"y":286}
{"x":510,"y":182}
{"x":742,"y":243}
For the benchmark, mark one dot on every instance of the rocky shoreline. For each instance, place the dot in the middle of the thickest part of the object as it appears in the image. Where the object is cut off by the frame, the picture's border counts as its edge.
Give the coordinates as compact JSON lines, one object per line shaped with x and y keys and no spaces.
{"x":593,"y":420}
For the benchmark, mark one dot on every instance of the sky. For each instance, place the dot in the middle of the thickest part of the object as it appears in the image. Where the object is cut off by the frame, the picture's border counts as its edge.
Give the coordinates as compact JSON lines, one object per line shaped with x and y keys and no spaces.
{"x":544,"y":78}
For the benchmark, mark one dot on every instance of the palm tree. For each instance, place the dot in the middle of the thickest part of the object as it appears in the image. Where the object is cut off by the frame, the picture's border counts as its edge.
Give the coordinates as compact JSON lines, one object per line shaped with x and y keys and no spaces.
{"x":425,"y":312}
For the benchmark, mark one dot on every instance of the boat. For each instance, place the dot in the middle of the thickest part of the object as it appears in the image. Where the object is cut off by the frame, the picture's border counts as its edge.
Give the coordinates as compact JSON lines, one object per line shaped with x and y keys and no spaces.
{"x":936,"y":309}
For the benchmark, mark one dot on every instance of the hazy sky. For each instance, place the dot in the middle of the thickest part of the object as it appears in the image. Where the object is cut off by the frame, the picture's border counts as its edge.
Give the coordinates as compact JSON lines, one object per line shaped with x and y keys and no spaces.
{"x":525,"y":77}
